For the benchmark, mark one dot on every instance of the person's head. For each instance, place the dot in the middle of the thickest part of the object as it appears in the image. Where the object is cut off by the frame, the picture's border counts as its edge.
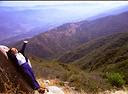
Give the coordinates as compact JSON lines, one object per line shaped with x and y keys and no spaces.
{"x":13,"y":50}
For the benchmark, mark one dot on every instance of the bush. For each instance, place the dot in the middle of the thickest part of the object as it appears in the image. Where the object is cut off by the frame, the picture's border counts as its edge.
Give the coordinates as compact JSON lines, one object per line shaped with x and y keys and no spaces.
{"x":74,"y":77}
{"x":116,"y":79}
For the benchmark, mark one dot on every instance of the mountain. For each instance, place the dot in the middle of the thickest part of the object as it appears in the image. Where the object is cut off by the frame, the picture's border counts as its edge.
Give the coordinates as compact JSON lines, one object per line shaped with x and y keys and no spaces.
{"x":53,"y":41}
{"x":26,"y":35}
{"x":71,"y":35}
{"x":96,"y":47}
{"x":105,"y":54}
{"x":17,"y":21}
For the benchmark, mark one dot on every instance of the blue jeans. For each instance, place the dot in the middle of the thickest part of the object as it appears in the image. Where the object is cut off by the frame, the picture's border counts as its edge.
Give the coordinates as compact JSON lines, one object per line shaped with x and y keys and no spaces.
{"x":28,"y":73}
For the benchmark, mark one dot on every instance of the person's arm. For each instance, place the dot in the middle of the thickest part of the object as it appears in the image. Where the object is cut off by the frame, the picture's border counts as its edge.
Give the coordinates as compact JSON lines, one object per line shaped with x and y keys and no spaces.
{"x":23,"y":47}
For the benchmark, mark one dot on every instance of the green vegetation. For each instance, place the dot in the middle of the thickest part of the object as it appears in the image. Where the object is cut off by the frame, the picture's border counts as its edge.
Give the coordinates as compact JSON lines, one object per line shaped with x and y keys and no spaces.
{"x":86,"y":67}
{"x":81,"y":80}
{"x":116,"y":79}
{"x":102,"y":55}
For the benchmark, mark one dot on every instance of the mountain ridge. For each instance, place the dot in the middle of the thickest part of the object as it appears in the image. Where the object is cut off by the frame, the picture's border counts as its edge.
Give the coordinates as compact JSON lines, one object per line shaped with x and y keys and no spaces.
{"x":69,"y":36}
{"x":16,"y":21}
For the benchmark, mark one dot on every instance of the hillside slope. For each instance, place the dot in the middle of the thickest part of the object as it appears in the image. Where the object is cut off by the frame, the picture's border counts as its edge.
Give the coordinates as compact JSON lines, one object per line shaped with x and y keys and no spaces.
{"x":96,"y":47}
{"x":104,"y":54}
{"x":71,"y":35}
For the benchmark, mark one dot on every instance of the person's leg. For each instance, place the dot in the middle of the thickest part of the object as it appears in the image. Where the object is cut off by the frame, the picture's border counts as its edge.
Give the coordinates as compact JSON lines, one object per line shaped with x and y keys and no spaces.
{"x":33,"y":77}
{"x":30,"y":76}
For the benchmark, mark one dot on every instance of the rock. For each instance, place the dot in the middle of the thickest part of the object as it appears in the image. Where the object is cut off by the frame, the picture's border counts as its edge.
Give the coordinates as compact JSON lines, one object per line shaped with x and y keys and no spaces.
{"x":51,"y":89}
{"x":120,"y":92}
{"x":11,"y":81}
{"x":4,"y":49}
{"x":114,"y":92}
{"x":54,"y":90}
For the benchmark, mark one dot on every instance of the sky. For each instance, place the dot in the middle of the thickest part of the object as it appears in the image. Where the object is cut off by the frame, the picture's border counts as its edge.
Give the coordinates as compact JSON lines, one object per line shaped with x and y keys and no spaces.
{"x":80,"y":7}
{"x":34,"y":3}
{"x":64,"y":11}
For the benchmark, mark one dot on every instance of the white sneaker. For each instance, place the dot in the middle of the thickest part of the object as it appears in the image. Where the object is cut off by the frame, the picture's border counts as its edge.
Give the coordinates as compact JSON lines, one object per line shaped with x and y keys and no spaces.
{"x":25,"y":41}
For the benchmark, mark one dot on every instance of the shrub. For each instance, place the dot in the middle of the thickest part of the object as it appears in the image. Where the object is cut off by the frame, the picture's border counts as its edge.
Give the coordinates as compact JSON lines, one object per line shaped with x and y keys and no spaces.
{"x":116,"y":79}
{"x":74,"y":77}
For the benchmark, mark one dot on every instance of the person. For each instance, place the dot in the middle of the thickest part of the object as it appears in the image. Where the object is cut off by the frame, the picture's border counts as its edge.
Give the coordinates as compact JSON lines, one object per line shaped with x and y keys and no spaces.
{"x":24,"y":65}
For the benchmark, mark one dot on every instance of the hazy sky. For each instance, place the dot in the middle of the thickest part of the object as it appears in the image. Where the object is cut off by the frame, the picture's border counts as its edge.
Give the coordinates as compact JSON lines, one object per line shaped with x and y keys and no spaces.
{"x":65,"y":11}
{"x":33,"y":3}
{"x":78,"y":7}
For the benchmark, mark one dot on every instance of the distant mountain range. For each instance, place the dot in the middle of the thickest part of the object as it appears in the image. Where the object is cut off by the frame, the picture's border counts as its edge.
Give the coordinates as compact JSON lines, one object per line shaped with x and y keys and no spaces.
{"x":69,"y":36}
{"x":15,"y":22}
{"x":19,"y":24}
{"x":22,"y":36}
